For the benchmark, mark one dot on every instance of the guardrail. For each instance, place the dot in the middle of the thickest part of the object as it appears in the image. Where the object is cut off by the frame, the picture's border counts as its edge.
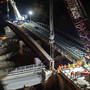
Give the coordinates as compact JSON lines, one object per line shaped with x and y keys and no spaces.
{"x":29,"y":68}
{"x":81,"y":51}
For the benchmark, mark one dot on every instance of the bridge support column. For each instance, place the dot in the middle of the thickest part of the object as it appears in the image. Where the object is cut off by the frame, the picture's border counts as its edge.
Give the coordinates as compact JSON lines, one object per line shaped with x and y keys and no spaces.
{"x":51,"y":66}
{"x":21,"y":43}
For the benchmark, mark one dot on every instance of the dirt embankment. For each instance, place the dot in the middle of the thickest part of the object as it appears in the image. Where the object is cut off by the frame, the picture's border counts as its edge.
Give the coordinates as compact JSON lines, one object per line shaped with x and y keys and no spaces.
{"x":52,"y":83}
{"x":57,"y":82}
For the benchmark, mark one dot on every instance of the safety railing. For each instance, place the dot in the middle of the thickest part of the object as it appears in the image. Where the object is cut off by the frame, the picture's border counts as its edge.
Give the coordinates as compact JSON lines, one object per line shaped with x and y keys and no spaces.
{"x":80,"y":49}
{"x":67,"y":43}
{"x":24,"y":69}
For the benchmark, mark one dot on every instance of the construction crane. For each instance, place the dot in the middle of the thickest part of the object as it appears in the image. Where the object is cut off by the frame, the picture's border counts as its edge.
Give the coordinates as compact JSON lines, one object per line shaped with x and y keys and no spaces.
{"x":18,"y":16}
{"x":80,"y":20}
{"x":16,"y":11}
{"x":19,"y":19}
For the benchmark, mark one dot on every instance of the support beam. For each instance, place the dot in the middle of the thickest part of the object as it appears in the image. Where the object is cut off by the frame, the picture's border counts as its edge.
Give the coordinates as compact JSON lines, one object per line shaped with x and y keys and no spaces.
{"x":21,"y":43}
{"x":32,"y":44}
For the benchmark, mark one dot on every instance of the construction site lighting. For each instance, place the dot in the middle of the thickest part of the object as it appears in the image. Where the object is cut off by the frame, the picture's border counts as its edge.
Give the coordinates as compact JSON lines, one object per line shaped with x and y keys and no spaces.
{"x":30,"y":12}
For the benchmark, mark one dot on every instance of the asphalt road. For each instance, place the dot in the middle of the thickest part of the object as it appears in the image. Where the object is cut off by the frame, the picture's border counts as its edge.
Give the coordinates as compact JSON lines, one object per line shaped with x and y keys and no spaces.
{"x":19,"y":81}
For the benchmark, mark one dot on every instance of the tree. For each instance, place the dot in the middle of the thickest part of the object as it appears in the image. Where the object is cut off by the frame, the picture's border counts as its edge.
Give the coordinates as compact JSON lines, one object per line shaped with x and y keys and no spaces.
{"x":41,"y":11}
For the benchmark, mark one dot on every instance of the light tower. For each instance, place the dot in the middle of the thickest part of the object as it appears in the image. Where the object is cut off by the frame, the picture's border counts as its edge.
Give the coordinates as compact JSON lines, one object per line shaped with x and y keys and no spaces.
{"x":7,"y":10}
{"x":51,"y":30}
{"x":30,"y":13}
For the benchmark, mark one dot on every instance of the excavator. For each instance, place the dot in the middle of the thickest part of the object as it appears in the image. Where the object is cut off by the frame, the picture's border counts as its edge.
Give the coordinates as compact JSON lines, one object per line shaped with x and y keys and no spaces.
{"x":80,"y":21}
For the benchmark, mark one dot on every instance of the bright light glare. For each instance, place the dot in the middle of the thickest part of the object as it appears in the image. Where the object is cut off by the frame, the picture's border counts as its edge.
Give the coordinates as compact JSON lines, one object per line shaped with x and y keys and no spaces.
{"x":30,"y":12}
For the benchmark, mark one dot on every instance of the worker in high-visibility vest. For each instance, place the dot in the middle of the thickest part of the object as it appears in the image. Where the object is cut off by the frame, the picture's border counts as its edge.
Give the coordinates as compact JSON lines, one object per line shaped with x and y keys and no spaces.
{"x":58,"y":69}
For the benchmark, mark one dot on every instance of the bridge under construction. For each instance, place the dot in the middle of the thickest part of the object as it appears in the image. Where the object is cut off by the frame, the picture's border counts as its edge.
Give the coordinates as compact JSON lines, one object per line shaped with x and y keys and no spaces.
{"x":75,"y":74}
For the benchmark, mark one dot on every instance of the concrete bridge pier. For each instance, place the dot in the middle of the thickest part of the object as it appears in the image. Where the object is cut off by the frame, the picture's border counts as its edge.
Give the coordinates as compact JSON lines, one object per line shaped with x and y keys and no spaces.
{"x":51,"y":66}
{"x":21,"y":43}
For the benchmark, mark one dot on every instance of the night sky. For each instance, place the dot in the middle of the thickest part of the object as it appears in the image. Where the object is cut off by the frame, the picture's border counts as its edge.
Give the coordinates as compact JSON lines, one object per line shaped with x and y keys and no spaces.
{"x":62,"y":20}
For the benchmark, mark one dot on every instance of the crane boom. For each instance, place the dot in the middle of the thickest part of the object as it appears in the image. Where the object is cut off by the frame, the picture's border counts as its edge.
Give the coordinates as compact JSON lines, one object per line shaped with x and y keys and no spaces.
{"x":17,"y":14}
{"x":80,"y":19}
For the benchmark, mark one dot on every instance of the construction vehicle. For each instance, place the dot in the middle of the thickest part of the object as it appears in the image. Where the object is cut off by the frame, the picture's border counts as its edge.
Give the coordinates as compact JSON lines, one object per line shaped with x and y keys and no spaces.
{"x":17,"y":13}
{"x":18,"y":18}
{"x":80,"y":20}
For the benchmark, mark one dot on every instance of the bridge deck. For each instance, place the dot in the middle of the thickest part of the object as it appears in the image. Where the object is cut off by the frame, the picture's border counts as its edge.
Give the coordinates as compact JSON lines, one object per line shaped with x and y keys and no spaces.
{"x":73,"y":51}
{"x":33,"y":45}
